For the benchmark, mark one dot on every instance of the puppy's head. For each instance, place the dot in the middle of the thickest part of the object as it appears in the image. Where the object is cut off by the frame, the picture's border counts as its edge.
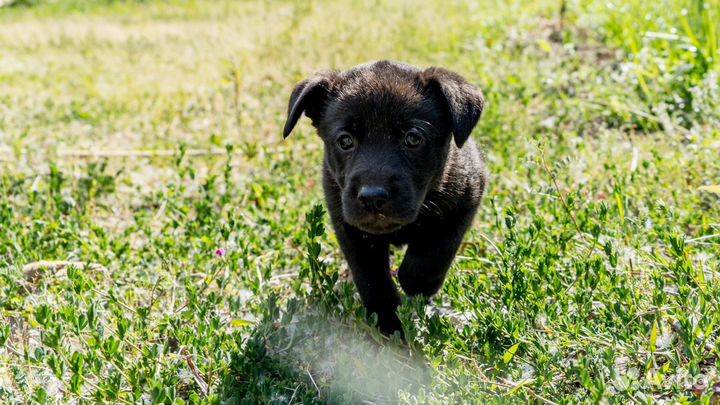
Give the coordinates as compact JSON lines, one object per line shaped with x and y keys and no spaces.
{"x":387,"y":129}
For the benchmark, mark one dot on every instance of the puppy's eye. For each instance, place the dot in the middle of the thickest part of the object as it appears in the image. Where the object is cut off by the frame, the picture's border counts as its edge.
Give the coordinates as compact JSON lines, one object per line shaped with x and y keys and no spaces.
{"x":413,"y":138}
{"x":345,"y":142}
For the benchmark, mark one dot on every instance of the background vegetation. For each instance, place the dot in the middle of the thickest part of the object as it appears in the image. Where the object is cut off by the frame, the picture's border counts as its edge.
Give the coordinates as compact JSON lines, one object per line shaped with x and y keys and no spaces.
{"x":160,"y":243}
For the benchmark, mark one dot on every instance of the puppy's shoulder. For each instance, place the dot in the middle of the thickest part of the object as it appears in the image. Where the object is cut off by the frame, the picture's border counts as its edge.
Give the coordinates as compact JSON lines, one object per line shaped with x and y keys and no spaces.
{"x":465,"y":171}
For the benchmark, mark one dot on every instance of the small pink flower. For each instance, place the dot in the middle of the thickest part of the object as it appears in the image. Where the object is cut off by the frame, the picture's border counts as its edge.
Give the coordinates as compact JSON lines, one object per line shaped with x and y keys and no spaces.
{"x":220,"y":252}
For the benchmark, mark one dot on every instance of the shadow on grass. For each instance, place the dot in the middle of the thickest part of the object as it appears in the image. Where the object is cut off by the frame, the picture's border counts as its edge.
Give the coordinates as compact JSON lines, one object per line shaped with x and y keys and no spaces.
{"x":301,"y":355}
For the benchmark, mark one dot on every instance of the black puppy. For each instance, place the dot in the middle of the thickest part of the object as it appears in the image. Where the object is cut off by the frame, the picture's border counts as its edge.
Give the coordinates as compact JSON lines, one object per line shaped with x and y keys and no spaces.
{"x":392,"y":174}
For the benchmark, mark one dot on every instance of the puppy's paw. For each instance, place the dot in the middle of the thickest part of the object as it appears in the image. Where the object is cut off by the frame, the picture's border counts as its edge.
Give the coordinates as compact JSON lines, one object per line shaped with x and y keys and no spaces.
{"x":415,"y":284}
{"x":389,"y":323}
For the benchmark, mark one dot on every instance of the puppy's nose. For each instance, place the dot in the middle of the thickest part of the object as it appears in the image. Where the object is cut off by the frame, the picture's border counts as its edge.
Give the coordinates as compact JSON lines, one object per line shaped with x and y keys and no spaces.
{"x":372,"y":198}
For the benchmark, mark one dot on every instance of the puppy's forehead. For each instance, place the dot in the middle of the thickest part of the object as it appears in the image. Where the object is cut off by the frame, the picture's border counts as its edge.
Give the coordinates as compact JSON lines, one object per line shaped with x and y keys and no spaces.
{"x":379,"y":98}
{"x":390,"y":80}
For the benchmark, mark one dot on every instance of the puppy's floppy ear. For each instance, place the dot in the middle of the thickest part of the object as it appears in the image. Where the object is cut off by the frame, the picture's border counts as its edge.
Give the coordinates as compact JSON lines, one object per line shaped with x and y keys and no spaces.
{"x":464,"y":101}
{"x":309,"y":96}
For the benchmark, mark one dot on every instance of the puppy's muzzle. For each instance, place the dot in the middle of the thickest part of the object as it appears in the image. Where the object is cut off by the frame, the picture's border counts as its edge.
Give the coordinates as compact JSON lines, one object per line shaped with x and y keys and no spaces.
{"x":373,"y":198}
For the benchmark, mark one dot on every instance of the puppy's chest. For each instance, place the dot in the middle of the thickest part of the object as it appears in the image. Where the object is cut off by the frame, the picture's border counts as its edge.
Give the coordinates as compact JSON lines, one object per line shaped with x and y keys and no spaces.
{"x":404,"y":235}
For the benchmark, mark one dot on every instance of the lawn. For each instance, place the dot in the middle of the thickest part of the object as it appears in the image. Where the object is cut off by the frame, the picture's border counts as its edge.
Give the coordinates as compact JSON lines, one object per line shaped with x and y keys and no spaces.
{"x":161,"y":244}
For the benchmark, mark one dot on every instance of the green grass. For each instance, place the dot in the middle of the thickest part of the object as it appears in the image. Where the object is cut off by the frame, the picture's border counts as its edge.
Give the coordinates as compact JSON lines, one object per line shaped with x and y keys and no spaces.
{"x":139,"y":137}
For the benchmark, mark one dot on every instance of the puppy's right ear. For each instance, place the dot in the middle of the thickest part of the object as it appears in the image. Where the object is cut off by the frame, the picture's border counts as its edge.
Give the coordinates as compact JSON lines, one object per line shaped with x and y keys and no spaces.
{"x":309,"y":96}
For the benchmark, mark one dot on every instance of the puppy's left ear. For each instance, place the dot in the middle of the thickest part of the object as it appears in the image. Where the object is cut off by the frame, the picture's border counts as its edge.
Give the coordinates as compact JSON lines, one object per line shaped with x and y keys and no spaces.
{"x":463,"y":100}
{"x":308,"y":96}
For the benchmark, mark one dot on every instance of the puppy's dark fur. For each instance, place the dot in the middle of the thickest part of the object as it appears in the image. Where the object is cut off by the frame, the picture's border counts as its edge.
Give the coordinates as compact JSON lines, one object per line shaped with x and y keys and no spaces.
{"x":400,"y":167}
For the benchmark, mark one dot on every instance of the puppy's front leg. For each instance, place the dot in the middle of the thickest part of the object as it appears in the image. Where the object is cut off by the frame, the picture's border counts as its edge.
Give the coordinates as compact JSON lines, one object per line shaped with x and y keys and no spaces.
{"x":429,"y":256}
{"x":368,"y":258}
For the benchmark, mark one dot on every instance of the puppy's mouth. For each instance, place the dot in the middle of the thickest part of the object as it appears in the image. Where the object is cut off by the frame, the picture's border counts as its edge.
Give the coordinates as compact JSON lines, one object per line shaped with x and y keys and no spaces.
{"x":390,"y":216}
{"x":379,"y":227}
{"x":379,"y":224}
